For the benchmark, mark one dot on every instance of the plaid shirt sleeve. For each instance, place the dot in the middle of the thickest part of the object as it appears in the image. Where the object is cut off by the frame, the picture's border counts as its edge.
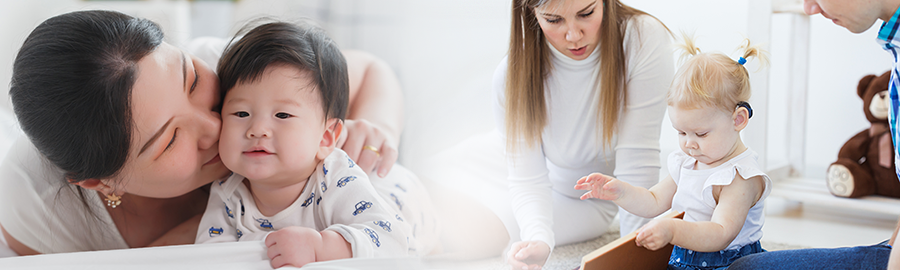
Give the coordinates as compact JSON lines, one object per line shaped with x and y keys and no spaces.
{"x":887,"y":37}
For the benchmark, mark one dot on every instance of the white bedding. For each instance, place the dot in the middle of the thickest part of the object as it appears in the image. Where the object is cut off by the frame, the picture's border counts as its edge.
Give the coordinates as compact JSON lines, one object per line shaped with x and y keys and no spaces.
{"x":236,"y":255}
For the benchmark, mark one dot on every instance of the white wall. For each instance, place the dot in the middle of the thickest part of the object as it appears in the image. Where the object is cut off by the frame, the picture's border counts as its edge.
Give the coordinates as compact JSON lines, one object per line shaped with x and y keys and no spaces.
{"x":838,"y":60}
{"x":18,"y":18}
{"x":445,"y":52}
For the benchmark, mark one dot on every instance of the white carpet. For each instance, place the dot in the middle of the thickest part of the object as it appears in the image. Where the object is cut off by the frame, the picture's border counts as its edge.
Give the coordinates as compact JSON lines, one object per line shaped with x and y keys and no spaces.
{"x":568,"y":257}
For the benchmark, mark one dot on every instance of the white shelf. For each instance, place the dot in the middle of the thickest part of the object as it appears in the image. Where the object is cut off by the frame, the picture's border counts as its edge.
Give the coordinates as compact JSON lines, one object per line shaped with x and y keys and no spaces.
{"x":813,"y":191}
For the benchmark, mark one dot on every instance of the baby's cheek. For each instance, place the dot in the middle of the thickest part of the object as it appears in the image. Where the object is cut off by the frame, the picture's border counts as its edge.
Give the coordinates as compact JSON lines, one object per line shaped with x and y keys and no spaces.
{"x":229,"y":148}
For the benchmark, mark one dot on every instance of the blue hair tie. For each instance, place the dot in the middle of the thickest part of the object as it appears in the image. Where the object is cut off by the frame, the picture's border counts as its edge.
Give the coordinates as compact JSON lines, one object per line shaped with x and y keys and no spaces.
{"x":742,"y":60}
{"x":746,"y":105}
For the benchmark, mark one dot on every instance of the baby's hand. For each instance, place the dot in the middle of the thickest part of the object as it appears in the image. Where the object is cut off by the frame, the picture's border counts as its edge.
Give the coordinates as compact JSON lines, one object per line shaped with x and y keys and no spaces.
{"x":599,"y":186}
{"x":656,"y":234}
{"x":292,"y":246}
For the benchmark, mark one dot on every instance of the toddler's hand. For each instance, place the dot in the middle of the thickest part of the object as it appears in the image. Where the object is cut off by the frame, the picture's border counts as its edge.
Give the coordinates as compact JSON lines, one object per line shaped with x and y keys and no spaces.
{"x":292,"y":246}
{"x":599,"y":186}
{"x":655,"y":234}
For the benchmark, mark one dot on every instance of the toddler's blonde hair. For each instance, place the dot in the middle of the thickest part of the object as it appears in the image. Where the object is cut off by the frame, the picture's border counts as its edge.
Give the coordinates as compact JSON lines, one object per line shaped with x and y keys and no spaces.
{"x":712,"y":79}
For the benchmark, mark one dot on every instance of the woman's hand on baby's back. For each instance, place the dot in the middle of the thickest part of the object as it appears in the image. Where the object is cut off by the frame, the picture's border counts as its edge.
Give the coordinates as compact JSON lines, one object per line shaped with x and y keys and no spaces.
{"x":369,"y":145}
{"x":599,"y":186}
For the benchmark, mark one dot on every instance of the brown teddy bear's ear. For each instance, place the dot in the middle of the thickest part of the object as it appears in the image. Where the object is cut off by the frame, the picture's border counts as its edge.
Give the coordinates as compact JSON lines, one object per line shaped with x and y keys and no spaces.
{"x":864,"y":84}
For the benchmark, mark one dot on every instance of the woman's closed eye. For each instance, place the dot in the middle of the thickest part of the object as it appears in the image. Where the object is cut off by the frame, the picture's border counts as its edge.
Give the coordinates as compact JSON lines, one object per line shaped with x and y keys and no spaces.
{"x":553,"y":19}
{"x":196,"y":79}
{"x":586,"y":14}
{"x":172,"y":141}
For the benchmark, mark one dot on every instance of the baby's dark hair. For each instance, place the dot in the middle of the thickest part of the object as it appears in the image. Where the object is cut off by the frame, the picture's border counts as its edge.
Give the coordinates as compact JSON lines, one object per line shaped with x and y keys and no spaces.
{"x":301,"y":45}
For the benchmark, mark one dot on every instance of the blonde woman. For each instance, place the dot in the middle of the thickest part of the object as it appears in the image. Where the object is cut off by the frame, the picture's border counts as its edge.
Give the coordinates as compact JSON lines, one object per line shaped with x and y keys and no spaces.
{"x":582,"y":91}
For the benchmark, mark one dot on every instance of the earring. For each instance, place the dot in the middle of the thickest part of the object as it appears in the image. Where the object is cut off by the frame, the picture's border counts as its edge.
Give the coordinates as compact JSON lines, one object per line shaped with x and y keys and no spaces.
{"x":113,"y":200}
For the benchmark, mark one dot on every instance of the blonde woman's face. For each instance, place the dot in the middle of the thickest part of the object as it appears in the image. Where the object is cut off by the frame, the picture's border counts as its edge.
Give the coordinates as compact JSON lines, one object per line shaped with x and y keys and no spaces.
{"x":571,"y":26}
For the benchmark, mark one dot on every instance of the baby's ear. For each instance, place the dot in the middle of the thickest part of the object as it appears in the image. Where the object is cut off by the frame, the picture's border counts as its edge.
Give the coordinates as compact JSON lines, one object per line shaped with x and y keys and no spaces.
{"x":333,"y":129}
{"x":741,"y":117}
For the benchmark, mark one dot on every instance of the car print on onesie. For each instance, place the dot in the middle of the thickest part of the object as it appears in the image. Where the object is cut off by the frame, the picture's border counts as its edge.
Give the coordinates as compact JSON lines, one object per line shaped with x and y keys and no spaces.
{"x":309,"y":200}
{"x":384,"y":224}
{"x":397,"y":201}
{"x":228,"y":211}
{"x":352,"y":164}
{"x":213,"y":231}
{"x":362,"y":206}
{"x":343,"y":182}
{"x":264,"y":224}
{"x":374,"y":236}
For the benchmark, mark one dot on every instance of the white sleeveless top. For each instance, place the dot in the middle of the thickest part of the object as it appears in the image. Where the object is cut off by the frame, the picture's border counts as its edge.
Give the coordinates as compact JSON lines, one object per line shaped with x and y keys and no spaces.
{"x":694,"y":195}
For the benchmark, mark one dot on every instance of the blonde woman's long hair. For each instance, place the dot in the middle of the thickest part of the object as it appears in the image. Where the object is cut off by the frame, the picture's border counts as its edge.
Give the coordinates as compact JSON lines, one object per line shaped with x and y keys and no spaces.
{"x":712,"y":79}
{"x":529,"y":64}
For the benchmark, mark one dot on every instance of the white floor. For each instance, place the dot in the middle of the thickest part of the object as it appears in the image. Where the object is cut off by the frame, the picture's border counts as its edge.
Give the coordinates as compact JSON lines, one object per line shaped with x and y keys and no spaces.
{"x":807,"y":225}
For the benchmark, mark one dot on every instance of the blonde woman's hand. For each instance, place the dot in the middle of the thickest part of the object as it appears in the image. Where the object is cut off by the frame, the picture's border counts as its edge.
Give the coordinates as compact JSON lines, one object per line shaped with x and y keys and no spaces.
{"x":368,"y":145}
{"x":528,"y":255}
{"x":599,"y":186}
{"x":655,"y":234}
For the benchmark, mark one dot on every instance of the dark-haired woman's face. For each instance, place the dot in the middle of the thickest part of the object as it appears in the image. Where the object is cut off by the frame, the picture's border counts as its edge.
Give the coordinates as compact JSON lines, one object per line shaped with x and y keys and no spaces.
{"x":176,"y":129}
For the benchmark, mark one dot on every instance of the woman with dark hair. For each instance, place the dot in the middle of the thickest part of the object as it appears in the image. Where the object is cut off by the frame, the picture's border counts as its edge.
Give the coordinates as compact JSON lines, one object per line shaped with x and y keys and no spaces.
{"x":122,"y":133}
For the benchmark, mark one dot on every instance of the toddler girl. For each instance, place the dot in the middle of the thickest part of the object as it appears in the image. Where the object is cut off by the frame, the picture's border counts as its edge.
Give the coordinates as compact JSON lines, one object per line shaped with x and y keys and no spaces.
{"x":714,"y":179}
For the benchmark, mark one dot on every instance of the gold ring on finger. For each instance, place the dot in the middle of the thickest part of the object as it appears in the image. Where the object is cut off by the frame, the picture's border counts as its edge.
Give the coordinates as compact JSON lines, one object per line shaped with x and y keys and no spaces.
{"x":373,"y":149}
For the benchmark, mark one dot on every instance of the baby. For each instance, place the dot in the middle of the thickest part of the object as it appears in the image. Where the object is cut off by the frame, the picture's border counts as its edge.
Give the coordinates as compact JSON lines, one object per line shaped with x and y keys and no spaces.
{"x":285,"y":89}
{"x":714,"y":179}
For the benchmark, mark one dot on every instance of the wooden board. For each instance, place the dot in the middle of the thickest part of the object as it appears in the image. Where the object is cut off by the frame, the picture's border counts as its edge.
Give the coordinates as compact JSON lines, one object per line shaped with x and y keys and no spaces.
{"x":624,"y":253}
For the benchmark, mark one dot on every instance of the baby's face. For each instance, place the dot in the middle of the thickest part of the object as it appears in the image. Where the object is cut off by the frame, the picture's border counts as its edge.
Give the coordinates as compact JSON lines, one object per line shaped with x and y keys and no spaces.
{"x":707,"y":134}
{"x":272,"y":128}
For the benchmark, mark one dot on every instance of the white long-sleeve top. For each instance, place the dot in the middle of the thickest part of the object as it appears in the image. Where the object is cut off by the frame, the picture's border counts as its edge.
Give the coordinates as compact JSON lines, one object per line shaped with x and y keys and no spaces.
{"x":571,"y":145}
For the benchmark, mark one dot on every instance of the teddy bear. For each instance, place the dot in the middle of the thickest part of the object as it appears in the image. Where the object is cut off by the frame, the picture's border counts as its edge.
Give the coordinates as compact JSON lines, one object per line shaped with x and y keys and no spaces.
{"x":865,"y":164}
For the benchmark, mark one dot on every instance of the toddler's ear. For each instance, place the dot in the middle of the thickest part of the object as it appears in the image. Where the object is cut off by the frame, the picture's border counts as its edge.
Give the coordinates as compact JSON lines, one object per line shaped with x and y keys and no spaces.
{"x":740,"y":116}
{"x":333,"y":129}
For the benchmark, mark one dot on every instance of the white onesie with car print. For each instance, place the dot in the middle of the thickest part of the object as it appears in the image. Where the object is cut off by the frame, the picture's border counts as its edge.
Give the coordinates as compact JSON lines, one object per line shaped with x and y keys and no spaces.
{"x":337,"y":197}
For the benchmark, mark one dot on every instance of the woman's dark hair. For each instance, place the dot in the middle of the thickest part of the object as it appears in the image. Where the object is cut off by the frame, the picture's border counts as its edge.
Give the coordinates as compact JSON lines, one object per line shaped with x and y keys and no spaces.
{"x":300,"y":45}
{"x":71,"y":88}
